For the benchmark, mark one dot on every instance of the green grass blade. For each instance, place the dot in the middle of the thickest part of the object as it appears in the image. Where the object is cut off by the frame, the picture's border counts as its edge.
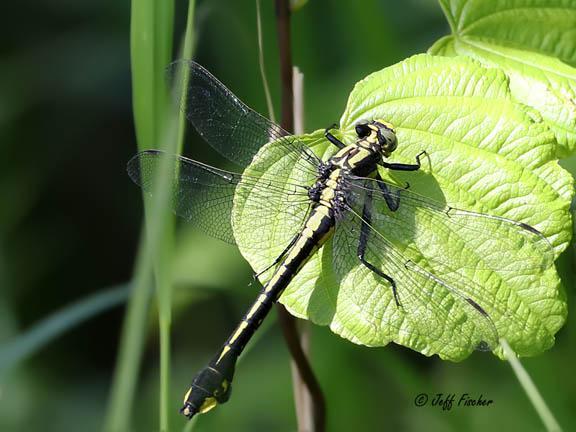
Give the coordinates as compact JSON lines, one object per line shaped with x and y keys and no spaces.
{"x":142,"y":61}
{"x":186,"y":53}
{"x":269,"y":104}
{"x":150,"y":56}
{"x":41,"y":334}
{"x":151,"y":47}
{"x":189,"y":41}
{"x":130,"y":349}
{"x":530,"y":389}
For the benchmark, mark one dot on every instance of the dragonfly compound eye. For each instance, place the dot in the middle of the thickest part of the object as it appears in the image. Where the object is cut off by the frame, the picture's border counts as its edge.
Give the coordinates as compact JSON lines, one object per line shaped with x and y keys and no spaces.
{"x":363,"y":130}
{"x":388,"y":141}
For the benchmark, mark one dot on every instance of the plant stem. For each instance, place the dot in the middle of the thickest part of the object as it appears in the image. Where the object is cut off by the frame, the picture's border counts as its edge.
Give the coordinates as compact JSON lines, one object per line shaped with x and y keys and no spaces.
{"x":530,"y":389}
{"x":302,"y":397}
{"x":305,"y":372}
{"x":287,"y":321}
{"x":262,"y":66}
{"x":283,"y":29}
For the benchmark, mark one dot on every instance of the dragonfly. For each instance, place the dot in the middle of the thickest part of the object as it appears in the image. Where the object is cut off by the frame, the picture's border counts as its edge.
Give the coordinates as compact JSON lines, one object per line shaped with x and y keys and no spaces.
{"x":339,"y":202}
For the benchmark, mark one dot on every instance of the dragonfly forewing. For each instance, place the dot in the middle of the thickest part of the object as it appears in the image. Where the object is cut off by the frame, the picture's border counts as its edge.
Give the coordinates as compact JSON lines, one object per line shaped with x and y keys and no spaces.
{"x":226,"y":123}
{"x":204,"y":195}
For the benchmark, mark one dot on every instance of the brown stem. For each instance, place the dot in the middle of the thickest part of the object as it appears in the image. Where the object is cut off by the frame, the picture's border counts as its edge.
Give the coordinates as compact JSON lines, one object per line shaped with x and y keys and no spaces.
{"x":287,"y":321}
{"x":283,"y":28}
{"x":288,"y":324}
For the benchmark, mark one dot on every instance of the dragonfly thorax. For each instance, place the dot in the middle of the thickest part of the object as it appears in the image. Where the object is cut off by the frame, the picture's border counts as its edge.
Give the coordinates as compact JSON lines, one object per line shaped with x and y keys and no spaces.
{"x":376,"y":141}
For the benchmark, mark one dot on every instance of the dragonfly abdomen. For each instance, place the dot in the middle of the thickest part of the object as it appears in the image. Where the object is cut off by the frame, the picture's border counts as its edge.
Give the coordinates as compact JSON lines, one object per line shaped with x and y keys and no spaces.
{"x":317,"y":230}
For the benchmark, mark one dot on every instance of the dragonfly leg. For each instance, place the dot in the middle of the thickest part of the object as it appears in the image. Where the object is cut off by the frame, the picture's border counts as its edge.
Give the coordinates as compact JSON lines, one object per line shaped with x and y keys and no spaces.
{"x":278,"y":258}
{"x":405,"y":167}
{"x":364,"y":236}
{"x":392,"y":198}
{"x":332,"y":138}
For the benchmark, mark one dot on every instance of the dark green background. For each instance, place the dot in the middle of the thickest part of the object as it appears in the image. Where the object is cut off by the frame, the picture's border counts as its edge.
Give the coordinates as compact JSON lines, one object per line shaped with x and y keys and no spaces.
{"x":70,"y":220}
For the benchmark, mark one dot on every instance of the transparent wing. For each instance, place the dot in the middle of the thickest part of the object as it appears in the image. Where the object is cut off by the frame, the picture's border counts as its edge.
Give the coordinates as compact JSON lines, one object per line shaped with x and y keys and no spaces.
{"x":227,"y":124}
{"x":204,"y":195}
{"x":435,"y":314}
{"x":442,"y":259}
{"x":426,"y":227}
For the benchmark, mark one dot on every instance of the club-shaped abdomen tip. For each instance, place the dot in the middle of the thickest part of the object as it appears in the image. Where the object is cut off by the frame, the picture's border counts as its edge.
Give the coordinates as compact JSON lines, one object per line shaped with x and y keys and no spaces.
{"x":188,"y":410}
{"x":209,"y":388}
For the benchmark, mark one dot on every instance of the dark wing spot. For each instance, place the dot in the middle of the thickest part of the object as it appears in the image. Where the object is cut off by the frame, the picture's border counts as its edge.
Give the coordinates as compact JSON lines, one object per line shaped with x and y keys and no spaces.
{"x":529,"y":228}
{"x":477,"y":306}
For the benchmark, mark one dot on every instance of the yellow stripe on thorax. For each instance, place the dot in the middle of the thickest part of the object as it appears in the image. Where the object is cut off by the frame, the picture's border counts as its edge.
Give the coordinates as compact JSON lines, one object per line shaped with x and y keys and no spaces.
{"x":362,"y":154}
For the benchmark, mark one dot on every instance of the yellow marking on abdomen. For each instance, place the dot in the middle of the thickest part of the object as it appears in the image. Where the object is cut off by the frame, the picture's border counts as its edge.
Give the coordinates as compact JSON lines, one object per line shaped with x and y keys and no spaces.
{"x":256,"y":306}
{"x":314,"y":222}
{"x":276,"y":276}
{"x":187,"y":394}
{"x":306,"y":235}
{"x":223,"y":353}
{"x":323,"y":210}
{"x":238,"y":332}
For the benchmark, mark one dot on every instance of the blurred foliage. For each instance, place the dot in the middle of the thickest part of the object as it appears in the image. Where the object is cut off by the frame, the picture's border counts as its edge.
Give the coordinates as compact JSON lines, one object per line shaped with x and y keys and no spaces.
{"x":70,"y":221}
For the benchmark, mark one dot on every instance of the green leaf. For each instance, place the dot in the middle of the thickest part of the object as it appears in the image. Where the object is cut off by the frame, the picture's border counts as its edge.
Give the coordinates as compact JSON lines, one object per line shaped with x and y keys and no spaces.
{"x":485,"y":154}
{"x":534,"y":42}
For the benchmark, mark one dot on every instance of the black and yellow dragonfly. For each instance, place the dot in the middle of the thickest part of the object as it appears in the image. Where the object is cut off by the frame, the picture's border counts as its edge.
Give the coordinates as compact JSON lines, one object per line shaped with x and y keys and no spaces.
{"x":341,"y":203}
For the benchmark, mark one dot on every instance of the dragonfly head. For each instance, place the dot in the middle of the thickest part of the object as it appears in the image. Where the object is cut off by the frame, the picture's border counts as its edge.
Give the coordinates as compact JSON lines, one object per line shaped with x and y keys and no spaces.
{"x":209,"y":388}
{"x":378,"y":135}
